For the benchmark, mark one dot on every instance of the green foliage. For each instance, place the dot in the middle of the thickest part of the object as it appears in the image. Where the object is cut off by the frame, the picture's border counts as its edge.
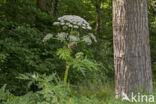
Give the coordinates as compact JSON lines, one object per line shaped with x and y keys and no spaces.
{"x":2,"y":58}
{"x":50,"y":93}
{"x":83,"y":64}
{"x":80,"y":63}
{"x":64,"y":53}
{"x":57,"y":93}
{"x":22,"y":51}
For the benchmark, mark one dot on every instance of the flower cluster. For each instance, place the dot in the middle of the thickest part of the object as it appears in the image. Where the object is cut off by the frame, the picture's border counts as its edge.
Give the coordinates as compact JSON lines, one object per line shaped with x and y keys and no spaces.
{"x":47,"y":37}
{"x":65,"y":36}
{"x":73,"y":36}
{"x":73,"y":21}
{"x":88,"y":39}
{"x":62,"y":36}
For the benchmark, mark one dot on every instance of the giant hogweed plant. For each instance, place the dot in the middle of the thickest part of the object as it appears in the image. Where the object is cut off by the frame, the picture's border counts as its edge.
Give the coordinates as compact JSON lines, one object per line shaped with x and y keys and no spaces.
{"x":70,"y":37}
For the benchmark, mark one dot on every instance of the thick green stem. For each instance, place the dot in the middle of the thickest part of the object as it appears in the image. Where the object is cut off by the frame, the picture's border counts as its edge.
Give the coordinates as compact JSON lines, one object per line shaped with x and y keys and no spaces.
{"x":66,"y":74}
{"x":67,"y":66}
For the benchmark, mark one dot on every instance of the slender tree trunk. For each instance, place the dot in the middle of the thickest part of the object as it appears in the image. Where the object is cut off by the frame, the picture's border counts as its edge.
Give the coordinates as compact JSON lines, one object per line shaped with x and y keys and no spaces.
{"x":131,"y":47}
{"x":49,"y":6}
{"x":98,"y":15}
{"x":42,"y":4}
{"x":54,"y":5}
{"x":97,"y":4}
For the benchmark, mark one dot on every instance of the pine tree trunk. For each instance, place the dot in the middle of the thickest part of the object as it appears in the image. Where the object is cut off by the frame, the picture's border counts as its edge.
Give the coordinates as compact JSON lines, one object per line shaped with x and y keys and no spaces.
{"x":131,"y":47}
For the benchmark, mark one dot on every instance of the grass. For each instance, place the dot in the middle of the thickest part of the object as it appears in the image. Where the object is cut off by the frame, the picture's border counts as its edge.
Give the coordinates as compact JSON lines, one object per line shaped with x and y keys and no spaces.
{"x":103,"y":92}
{"x":87,"y":92}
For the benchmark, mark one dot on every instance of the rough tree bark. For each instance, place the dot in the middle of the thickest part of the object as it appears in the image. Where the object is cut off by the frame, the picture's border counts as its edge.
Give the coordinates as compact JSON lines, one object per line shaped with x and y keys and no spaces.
{"x":131,"y":47}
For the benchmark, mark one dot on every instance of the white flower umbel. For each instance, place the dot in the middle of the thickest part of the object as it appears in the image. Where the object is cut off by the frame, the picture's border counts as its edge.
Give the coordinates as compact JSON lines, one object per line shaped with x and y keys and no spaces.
{"x":47,"y":37}
{"x":62,"y":36}
{"x":76,"y":27}
{"x":73,"y":21}
{"x":92,"y":36}
{"x":87,"y":40}
{"x":73,"y":38}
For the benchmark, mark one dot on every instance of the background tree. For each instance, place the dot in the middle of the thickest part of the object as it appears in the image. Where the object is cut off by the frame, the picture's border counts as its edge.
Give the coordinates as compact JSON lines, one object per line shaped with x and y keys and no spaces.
{"x":131,"y":46}
{"x":98,"y":14}
{"x":49,"y":6}
{"x":42,"y":4}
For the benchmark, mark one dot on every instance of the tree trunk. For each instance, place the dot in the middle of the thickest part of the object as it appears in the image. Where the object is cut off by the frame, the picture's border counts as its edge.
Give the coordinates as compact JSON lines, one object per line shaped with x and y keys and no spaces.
{"x":97,"y":9}
{"x":131,"y":47}
{"x":42,"y":4}
{"x":54,"y":5}
{"x":49,"y":6}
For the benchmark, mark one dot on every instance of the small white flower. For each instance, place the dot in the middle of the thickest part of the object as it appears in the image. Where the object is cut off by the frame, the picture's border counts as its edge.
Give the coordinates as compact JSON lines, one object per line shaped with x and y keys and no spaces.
{"x":59,"y":18}
{"x":89,"y":28}
{"x":62,"y":23}
{"x":62,"y":36}
{"x":79,"y":24}
{"x":84,"y":27}
{"x":56,"y":23}
{"x":47,"y":37}
{"x":74,"y":22}
{"x":76,"y":27}
{"x":67,"y":24}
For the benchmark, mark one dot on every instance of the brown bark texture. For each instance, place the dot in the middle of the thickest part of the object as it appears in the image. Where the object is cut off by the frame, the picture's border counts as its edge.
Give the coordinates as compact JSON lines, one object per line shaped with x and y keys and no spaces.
{"x":131,"y":47}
